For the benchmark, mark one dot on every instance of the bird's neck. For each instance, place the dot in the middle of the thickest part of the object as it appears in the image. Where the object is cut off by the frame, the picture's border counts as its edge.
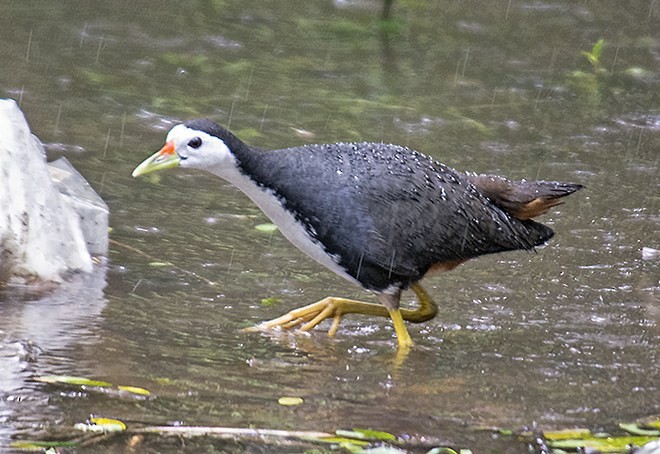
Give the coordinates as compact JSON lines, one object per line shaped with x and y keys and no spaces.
{"x":246,"y":170}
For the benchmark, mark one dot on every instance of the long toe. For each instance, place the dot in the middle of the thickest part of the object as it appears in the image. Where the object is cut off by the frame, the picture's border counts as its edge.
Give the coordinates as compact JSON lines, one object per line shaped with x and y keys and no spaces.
{"x":308,"y":317}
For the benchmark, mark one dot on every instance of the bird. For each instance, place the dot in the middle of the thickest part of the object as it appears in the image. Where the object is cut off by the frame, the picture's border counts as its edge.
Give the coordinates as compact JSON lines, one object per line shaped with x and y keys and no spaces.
{"x":382,"y":216}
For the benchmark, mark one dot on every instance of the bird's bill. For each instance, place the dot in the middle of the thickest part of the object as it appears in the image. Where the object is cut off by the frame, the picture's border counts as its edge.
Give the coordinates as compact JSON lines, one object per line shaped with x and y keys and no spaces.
{"x":165,"y":158}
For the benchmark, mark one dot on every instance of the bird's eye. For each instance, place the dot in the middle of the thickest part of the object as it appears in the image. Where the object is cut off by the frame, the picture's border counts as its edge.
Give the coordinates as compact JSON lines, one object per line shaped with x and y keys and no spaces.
{"x":195,"y":142}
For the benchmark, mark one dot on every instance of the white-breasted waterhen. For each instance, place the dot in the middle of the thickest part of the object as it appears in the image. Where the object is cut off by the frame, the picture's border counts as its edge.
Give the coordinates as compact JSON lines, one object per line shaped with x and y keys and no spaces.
{"x":380,"y":215}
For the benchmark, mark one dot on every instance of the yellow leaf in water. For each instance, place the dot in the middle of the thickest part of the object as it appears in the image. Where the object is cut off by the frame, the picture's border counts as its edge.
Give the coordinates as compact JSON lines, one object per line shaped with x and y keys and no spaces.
{"x":566,"y":434}
{"x":101,"y":425}
{"x":135,"y":390}
{"x":290,"y":401}
{"x":112,"y":424}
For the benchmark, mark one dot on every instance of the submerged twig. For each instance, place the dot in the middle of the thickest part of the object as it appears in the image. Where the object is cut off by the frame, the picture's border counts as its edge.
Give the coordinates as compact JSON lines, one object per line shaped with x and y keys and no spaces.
{"x":155,"y":259}
{"x":356,"y":438}
{"x":230,"y":432}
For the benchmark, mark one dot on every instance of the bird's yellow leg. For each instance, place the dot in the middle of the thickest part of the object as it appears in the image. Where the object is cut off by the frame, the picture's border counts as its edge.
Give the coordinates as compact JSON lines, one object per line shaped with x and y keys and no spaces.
{"x":308,"y":317}
{"x":403,"y":338}
{"x":335,"y":325}
{"x":427,"y":308}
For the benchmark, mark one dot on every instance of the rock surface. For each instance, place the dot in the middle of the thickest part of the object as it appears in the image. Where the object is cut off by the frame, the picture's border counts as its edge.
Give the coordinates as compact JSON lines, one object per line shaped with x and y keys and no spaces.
{"x":41,"y":237}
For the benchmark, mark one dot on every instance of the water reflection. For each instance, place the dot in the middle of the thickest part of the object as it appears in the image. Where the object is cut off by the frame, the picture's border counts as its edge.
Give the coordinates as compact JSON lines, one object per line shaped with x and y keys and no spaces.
{"x":38,"y":330}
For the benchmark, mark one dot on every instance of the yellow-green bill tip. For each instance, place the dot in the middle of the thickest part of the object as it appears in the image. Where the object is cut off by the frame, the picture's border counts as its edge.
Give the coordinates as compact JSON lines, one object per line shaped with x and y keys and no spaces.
{"x":165,"y":158}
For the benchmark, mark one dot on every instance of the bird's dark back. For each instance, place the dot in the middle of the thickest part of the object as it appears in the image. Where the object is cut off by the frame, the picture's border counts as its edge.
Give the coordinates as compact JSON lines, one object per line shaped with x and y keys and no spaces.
{"x":387,"y":213}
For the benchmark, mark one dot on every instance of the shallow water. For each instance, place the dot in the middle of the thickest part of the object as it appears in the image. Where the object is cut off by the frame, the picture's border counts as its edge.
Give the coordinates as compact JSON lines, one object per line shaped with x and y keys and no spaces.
{"x":564,"y":337}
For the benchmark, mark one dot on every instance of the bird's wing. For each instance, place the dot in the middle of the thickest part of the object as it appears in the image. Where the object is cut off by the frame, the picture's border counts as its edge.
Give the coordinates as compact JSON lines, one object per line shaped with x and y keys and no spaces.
{"x":388,"y":213}
{"x":435,"y":216}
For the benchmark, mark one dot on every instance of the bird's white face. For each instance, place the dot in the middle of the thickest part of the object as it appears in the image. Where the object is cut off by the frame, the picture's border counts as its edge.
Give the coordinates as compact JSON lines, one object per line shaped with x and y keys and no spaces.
{"x":197,"y":149}
{"x":190,"y":148}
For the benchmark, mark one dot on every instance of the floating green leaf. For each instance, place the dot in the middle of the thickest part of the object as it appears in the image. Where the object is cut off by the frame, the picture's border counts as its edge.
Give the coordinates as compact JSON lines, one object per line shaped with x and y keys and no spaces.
{"x":270,"y":301}
{"x":86,"y":382}
{"x":356,"y":440}
{"x":567,"y":434}
{"x":604,"y":445}
{"x":635,"y":429}
{"x":266,"y":228}
{"x":33,"y":445}
{"x":342,"y":441}
{"x":366,"y":434}
{"x":72,"y":380}
{"x":579,"y":439}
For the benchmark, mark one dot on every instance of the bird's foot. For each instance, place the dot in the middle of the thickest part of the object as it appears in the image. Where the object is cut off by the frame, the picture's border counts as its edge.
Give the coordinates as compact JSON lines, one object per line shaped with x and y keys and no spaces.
{"x":307,"y":317}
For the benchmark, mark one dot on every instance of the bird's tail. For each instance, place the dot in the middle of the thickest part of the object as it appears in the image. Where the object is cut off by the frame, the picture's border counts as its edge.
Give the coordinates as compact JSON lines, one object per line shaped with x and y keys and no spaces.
{"x":523,"y":199}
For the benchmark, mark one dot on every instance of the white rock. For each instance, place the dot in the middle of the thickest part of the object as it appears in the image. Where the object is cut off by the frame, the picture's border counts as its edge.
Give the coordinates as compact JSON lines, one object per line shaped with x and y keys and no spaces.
{"x":92,"y":210}
{"x":40,"y":234}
